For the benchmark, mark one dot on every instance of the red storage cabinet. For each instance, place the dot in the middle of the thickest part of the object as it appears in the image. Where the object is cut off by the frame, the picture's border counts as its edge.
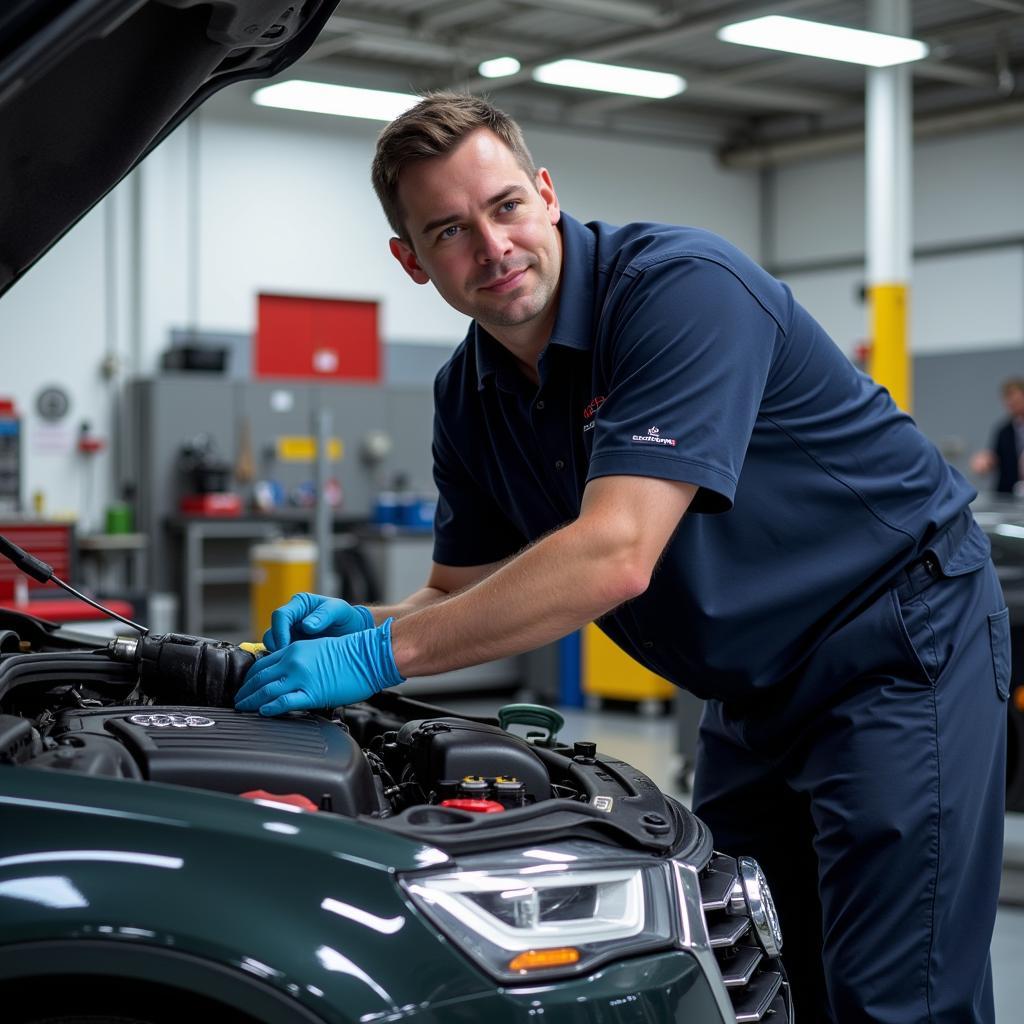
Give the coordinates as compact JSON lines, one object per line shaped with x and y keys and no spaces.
{"x":317,"y":339}
{"x":53,"y":543}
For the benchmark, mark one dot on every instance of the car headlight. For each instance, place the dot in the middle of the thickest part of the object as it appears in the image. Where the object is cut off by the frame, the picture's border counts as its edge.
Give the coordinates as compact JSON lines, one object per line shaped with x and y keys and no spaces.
{"x":549,"y":911}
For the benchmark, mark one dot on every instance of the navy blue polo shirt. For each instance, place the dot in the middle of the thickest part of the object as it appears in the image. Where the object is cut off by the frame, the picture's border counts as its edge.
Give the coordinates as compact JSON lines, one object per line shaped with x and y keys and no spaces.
{"x":676,"y":356}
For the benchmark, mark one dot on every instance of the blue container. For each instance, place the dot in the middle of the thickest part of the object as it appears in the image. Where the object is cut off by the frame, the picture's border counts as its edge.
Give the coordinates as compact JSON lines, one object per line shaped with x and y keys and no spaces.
{"x":570,"y":689}
{"x":386,"y":510}
{"x":417,"y":512}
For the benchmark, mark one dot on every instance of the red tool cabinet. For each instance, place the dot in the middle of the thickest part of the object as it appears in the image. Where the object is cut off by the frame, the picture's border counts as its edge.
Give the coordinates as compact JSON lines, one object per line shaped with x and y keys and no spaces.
{"x":53,"y":543}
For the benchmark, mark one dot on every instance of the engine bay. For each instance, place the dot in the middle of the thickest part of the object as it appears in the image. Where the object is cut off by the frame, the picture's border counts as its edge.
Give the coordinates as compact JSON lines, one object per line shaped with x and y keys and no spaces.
{"x":466,"y":782}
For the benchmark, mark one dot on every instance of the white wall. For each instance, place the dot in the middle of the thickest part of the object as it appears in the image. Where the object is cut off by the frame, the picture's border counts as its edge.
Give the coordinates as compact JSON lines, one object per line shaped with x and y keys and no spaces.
{"x":55,"y":328}
{"x":289,"y":207}
{"x":284,"y":204}
{"x":967,"y":188}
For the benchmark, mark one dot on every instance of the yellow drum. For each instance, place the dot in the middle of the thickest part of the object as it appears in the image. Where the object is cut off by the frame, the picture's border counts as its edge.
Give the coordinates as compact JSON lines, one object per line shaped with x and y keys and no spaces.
{"x":280,"y":569}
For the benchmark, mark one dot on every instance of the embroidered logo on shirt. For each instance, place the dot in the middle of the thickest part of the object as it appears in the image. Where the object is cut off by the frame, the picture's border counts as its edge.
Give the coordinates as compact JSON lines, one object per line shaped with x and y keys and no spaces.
{"x":590,"y":411}
{"x":653,"y":436}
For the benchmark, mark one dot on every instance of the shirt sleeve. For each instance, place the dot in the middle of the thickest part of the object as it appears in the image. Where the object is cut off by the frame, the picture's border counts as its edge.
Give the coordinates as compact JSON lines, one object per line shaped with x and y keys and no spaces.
{"x":469,"y":526}
{"x":686,"y":364}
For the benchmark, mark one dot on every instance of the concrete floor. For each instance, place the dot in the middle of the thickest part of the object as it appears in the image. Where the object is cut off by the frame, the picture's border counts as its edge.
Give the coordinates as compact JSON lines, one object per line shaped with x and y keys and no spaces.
{"x":650,"y":745}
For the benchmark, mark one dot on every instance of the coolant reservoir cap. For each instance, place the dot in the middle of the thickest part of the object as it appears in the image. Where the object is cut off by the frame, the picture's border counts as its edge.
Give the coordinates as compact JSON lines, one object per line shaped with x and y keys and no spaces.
{"x":477,"y":806}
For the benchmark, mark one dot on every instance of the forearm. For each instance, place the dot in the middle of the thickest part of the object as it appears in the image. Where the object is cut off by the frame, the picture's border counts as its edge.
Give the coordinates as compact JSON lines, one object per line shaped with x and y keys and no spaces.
{"x":566,"y":580}
{"x":413,"y":603}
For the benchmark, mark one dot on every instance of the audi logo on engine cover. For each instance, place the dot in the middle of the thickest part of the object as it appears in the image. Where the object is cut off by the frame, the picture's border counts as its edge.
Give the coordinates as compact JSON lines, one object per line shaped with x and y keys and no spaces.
{"x":172,"y":721}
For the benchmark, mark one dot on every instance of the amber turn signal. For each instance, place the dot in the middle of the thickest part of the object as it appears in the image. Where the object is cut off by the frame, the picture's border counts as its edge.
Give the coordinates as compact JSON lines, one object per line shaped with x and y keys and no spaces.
{"x":536,"y":959}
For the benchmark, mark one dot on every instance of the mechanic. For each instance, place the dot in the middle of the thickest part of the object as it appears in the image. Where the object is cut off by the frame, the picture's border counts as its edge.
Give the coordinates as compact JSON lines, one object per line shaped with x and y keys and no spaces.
{"x":643,"y":428}
{"x":1006,"y":453}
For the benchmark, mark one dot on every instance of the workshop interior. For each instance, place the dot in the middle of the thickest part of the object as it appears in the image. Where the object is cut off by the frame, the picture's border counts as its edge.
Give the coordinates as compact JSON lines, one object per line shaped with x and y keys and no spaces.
{"x":218,"y":392}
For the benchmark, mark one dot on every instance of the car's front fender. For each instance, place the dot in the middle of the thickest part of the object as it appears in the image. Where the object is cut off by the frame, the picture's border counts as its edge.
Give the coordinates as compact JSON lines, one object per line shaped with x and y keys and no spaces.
{"x":302,"y":904}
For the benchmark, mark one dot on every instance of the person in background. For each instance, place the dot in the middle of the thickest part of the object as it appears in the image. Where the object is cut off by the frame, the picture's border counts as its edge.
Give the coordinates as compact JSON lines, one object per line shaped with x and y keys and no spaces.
{"x":1004,"y":457}
{"x":643,"y":428}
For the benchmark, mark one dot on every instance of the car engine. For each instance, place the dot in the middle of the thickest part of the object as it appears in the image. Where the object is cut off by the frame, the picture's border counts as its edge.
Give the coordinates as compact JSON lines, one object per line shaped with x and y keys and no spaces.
{"x":66,"y":707}
{"x":465,"y":784}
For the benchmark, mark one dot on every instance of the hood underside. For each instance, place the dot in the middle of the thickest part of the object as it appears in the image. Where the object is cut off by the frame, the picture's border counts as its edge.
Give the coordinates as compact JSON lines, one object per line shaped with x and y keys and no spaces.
{"x":89,"y":87}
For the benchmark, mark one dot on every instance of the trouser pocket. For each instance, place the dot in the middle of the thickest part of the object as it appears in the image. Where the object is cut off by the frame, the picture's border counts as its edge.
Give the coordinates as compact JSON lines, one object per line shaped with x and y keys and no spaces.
{"x":999,"y":637}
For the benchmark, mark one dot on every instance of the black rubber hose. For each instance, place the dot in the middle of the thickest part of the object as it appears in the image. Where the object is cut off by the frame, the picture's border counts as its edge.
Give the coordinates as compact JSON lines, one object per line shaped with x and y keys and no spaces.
{"x":90,"y":668}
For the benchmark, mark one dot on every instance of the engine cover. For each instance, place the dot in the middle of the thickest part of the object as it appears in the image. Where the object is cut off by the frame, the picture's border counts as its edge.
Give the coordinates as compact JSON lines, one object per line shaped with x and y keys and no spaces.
{"x":229,"y":751}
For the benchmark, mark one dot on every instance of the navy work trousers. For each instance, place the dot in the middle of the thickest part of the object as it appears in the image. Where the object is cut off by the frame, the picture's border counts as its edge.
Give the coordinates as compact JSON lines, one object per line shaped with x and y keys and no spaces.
{"x":873,"y":796}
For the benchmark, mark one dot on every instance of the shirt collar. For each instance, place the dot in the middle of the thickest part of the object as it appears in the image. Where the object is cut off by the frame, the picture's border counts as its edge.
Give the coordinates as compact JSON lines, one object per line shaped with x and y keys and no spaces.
{"x":574,"y":323}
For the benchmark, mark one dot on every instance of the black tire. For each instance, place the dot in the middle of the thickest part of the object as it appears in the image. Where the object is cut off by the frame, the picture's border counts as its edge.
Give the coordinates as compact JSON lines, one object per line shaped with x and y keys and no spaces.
{"x":88,"y":1018}
{"x":94,"y":1000}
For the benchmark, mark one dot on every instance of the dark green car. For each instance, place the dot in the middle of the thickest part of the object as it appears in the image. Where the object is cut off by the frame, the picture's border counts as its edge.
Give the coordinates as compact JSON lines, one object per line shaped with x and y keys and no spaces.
{"x":389,"y":860}
{"x":165,"y":859}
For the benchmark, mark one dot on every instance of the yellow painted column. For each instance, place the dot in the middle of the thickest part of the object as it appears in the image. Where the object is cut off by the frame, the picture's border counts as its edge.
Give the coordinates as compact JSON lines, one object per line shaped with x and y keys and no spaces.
{"x":889,"y":363}
{"x":888,"y":159}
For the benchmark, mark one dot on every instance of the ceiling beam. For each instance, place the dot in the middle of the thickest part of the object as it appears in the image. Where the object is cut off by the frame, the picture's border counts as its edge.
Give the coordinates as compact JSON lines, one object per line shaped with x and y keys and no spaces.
{"x":447,"y":16}
{"x":959,"y":74}
{"x":674,"y":29}
{"x":632,"y":13}
{"x":758,"y":71}
{"x":1003,"y":5}
{"x":674,"y":126}
{"x":950,"y":32}
{"x":925,"y":126}
{"x":368,"y":24}
{"x":801,"y":101}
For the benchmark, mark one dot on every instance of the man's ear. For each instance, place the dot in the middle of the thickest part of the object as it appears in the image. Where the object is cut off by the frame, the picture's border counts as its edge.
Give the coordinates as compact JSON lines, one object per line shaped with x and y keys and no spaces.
{"x":546,"y":189}
{"x":404,"y":254}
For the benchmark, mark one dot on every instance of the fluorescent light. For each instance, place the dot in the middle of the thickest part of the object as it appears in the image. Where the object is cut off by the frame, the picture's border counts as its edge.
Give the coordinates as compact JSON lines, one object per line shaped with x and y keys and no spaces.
{"x":343,"y":100}
{"x":584,"y":74}
{"x":499,"y":67}
{"x":813,"y":39}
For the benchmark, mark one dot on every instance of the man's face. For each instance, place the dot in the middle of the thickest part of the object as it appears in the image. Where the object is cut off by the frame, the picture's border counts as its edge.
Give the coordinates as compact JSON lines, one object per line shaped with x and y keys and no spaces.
{"x":483,"y":233}
{"x":1014,"y":401}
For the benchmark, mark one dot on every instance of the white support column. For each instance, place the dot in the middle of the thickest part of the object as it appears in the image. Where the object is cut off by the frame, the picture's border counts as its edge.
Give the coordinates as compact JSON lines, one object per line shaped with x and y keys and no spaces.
{"x":889,"y":137}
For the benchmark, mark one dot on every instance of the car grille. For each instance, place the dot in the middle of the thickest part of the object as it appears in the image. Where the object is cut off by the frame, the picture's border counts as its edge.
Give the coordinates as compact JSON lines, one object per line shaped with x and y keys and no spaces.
{"x":754,"y":981}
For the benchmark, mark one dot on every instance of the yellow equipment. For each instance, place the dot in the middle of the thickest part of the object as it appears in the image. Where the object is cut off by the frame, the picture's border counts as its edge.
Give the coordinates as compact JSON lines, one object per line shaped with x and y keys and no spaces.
{"x":609,"y":672}
{"x":280,"y":568}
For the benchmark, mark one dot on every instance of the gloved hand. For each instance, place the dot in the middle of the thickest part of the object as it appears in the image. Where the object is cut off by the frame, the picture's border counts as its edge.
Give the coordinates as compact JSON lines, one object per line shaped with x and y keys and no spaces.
{"x":321,"y":673}
{"x":311,"y":615}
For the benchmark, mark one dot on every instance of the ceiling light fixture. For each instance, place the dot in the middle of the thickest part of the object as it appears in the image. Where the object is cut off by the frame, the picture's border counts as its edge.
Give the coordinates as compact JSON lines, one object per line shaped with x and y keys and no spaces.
{"x":499,"y":67}
{"x":342,"y":100}
{"x":584,"y":74}
{"x":833,"y":42}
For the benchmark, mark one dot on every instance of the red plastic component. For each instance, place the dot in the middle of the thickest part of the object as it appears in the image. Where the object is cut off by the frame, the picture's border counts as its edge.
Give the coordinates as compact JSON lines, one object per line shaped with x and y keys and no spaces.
{"x":295,"y":799}
{"x":89,"y":445}
{"x":477,"y":806}
{"x":216,"y":504}
{"x":333,"y":339}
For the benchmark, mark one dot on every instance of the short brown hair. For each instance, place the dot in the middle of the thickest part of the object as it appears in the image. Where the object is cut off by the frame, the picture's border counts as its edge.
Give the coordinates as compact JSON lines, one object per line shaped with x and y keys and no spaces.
{"x":1012,"y":384}
{"x":434,"y":127}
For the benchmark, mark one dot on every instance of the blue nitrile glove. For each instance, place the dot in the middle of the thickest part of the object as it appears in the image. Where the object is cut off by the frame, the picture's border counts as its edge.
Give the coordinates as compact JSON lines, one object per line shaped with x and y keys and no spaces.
{"x":321,"y":673}
{"x":312,"y":615}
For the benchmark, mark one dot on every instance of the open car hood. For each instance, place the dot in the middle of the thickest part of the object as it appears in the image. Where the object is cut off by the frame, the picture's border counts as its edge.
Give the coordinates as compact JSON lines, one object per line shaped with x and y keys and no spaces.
{"x":89,"y":87}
